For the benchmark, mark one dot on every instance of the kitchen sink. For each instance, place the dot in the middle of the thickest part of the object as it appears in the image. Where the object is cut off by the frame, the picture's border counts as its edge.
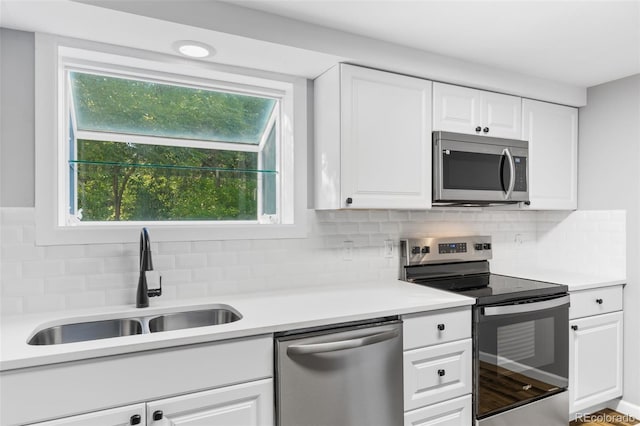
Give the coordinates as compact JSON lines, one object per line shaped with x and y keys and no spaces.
{"x":95,"y":330}
{"x":191,"y":319}
{"x":84,"y":331}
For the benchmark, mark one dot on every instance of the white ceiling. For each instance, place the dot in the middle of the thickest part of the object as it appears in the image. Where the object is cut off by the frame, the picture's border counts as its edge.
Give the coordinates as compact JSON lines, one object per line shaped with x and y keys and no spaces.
{"x":584,"y":43}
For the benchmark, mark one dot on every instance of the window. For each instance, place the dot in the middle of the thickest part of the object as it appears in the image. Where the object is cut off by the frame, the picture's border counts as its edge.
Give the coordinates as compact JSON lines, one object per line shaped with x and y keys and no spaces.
{"x":142,"y":150}
{"x":197,"y":152}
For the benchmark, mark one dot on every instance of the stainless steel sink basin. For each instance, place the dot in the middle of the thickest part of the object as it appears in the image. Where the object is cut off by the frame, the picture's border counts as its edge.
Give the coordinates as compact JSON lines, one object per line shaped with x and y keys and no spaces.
{"x":84,"y":331}
{"x":191,"y":319}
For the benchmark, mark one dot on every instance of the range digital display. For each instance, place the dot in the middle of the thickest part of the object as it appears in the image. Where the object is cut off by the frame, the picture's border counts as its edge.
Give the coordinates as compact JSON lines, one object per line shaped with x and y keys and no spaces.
{"x":448,"y":248}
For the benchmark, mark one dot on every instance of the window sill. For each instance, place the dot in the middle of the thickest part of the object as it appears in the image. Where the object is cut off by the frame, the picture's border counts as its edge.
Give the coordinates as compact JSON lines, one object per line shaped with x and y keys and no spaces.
{"x":167,"y":232}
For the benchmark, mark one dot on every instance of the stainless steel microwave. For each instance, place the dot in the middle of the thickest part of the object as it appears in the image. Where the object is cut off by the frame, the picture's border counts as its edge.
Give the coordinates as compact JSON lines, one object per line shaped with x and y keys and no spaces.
{"x":479,"y":170}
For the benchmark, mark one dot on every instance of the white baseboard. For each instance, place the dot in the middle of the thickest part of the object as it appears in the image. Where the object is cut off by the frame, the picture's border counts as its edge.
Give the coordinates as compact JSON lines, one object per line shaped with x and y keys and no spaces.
{"x":626,"y":407}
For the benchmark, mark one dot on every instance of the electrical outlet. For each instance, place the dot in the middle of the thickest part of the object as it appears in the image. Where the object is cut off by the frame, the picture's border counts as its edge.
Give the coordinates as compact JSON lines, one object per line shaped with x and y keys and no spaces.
{"x":388,"y":248}
{"x":347,"y":250}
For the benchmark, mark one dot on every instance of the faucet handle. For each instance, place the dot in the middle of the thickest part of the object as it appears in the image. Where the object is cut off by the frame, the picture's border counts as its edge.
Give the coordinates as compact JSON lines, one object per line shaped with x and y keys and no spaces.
{"x":153,"y":292}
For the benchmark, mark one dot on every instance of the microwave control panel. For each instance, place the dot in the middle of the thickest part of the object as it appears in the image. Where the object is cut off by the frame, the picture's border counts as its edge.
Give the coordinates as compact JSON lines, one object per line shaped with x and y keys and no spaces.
{"x":521,"y":173}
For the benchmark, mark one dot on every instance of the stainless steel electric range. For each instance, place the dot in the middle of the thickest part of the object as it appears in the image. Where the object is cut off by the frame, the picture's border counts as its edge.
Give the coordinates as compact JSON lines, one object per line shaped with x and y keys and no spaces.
{"x":520,"y":330}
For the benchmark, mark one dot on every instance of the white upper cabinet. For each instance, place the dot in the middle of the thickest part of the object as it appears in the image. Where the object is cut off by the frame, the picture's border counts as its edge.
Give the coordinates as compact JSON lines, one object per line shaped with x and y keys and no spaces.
{"x":372,"y":140}
{"x":552,"y":132}
{"x":464,"y":110}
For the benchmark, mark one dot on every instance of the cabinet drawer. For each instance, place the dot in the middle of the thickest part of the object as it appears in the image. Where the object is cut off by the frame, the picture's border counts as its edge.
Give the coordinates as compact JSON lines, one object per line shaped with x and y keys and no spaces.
{"x":436,"y":373}
{"x":456,"y":412}
{"x":436,"y":327}
{"x":595,"y":301}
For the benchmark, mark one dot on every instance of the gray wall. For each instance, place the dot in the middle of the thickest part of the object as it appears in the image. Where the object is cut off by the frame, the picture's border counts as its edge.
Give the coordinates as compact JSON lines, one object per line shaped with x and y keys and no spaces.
{"x":17,"y":121}
{"x":609,"y":177}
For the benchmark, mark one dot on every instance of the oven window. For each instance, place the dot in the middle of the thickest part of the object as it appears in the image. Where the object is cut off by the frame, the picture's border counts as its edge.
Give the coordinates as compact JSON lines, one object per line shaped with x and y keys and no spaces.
{"x":475,"y":171}
{"x":520,"y":358}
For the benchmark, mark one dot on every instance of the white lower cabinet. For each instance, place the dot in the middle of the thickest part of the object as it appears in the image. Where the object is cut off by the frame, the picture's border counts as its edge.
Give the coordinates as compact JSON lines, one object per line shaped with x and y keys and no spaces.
{"x":595,"y":347}
{"x":247,"y":404}
{"x":437,"y":368}
{"x":595,"y":357}
{"x":455,"y":412}
{"x":223,"y":383}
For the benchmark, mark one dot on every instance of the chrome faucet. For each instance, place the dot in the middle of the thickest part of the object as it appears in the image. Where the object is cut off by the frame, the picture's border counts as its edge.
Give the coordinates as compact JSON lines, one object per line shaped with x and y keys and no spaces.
{"x":146,"y":264}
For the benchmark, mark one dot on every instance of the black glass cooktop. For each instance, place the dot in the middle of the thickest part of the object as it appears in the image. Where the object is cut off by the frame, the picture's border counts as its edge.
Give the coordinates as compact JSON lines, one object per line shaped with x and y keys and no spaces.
{"x":473,"y":279}
{"x":501,"y":288}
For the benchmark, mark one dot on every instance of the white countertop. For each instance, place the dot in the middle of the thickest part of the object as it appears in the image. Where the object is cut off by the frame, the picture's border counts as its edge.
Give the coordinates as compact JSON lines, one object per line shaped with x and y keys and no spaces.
{"x":262,"y":313}
{"x":574,"y":280}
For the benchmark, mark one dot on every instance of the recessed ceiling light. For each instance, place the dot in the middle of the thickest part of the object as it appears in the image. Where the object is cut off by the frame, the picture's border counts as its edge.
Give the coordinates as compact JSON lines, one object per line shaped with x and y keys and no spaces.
{"x":193,"y":49}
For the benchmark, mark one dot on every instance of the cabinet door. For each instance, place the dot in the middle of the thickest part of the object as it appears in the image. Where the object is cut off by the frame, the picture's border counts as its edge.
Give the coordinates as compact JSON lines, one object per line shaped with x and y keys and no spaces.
{"x":456,"y":109}
{"x":386,"y":140}
{"x":247,"y":404}
{"x":501,"y":115}
{"x":552,"y":132}
{"x":121,"y":416}
{"x":595,"y":360}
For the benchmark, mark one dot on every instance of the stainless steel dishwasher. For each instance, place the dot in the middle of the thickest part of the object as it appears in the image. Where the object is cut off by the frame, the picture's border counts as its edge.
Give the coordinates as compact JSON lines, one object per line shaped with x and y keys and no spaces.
{"x":345,"y":376}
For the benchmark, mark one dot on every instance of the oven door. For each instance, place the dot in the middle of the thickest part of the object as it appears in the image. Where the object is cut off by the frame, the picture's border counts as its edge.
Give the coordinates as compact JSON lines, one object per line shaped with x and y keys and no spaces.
{"x":479,"y":172}
{"x":521,"y":353}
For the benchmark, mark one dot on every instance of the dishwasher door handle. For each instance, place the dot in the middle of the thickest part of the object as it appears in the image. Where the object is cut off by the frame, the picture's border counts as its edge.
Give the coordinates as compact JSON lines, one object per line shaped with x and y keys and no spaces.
{"x":316,"y":348}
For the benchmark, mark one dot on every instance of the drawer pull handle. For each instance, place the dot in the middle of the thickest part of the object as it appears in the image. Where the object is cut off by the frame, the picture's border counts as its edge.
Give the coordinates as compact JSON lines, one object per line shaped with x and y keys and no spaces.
{"x":157,"y":415}
{"x":441,"y":373}
{"x":599,"y":301}
{"x":574,"y":327}
{"x":136,"y":419}
{"x":441,"y":327}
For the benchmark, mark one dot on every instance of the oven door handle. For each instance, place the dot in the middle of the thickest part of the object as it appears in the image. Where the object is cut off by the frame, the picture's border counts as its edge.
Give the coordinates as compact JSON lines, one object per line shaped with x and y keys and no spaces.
{"x":525,"y":307}
{"x":512,"y":176}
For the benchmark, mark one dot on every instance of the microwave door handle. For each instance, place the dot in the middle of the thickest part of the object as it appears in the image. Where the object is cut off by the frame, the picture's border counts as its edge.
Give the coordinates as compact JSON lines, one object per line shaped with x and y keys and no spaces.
{"x":512,"y":177}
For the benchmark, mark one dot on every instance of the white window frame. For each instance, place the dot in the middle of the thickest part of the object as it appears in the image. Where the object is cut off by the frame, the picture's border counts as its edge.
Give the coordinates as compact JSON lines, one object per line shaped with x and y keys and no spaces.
{"x":53,"y":54}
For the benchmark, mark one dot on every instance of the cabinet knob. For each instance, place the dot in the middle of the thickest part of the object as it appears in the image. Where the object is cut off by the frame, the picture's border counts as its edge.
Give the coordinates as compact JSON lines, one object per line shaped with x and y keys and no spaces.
{"x":599,"y":301}
{"x":574,"y":327}
{"x":136,"y":419}
{"x":441,"y":373}
{"x":441,"y":327}
{"x":349,"y":201}
{"x":486,"y":130}
{"x":157,"y":415}
{"x":478,"y":129}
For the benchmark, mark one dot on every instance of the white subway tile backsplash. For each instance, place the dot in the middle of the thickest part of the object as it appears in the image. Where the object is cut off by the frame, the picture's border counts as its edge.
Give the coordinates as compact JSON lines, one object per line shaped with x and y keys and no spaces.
{"x":37,"y":279}
{"x":65,"y":252}
{"x":42,"y":269}
{"x":65,"y":284}
{"x":87,"y":299}
{"x":10,"y":235}
{"x":11,"y":305}
{"x":84,"y":266}
{"x":45,"y":303}
{"x":191,"y":261}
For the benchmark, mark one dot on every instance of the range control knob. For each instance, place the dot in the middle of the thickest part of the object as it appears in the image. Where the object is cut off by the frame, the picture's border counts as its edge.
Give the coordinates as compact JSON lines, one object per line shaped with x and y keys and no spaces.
{"x":415,"y":250}
{"x":426,"y":250}
{"x":477,"y":246}
{"x":486,"y":246}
